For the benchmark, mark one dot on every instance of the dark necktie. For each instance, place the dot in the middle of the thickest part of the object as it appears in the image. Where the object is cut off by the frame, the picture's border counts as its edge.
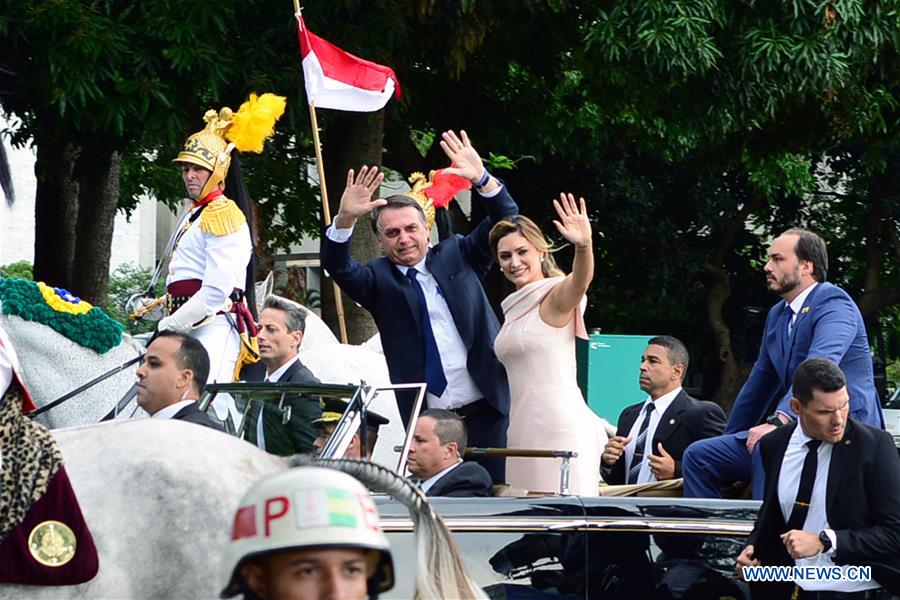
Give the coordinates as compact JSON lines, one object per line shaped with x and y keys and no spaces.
{"x":434,"y":371}
{"x":805,"y":489}
{"x":638,"y":458}
{"x":790,"y":318}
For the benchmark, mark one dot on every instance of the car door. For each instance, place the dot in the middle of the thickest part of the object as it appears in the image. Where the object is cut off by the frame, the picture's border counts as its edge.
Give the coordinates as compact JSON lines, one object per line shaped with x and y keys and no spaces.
{"x":666,"y":548}
{"x":512,"y":547}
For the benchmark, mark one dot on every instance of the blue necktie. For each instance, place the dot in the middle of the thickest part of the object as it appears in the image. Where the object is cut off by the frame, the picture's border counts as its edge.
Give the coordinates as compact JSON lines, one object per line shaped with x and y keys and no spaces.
{"x":790,"y":318}
{"x":638,"y":458}
{"x":434,"y":371}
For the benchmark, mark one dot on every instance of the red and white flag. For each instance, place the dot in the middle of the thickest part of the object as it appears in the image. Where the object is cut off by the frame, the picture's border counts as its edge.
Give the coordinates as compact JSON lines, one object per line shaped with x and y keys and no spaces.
{"x":337,"y":79}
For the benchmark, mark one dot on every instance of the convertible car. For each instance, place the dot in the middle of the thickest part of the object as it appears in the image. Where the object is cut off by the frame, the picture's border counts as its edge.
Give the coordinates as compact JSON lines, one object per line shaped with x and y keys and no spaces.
{"x":576,"y":547}
{"x":539,"y":546}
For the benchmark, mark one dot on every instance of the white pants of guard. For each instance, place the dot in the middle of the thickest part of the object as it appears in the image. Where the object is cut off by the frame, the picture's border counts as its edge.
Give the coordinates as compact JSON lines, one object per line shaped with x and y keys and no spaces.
{"x":223,"y":344}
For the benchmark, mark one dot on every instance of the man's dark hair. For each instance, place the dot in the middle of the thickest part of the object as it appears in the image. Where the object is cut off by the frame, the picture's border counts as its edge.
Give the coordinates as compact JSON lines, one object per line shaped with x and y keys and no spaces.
{"x":371,"y":440}
{"x":817,"y":374}
{"x":294,"y":315}
{"x":393,"y":203}
{"x":675,"y":350}
{"x":811,"y":247}
{"x":448,"y":427}
{"x":191,"y":355}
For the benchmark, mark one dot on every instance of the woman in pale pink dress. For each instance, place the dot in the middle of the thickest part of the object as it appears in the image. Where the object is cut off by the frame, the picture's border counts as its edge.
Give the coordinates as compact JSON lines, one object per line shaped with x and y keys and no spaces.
{"x":537,"y":346}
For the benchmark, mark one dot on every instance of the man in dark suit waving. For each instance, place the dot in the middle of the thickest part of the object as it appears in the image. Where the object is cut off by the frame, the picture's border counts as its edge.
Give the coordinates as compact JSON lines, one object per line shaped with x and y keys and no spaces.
{"x":832,"y":495}
{"x":816,"y":319}
{"x":652,"y":435}
{"x":435,"y":321}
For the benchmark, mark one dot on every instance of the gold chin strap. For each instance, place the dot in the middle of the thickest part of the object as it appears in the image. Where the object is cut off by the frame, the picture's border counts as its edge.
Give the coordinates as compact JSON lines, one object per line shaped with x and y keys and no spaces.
{"x":223,"y":160}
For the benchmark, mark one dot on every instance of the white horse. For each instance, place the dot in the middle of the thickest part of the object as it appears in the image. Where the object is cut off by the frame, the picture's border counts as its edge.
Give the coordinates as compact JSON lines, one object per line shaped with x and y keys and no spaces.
{"x":54,"y":365}
{"x":159,"y":498}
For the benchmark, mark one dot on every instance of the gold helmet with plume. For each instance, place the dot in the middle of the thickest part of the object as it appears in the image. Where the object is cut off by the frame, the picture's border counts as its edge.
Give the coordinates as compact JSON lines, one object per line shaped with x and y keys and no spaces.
{"x":225,"y":130}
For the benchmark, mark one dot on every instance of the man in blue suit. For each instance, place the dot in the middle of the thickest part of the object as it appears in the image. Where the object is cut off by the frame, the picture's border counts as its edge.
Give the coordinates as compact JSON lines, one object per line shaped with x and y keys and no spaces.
{"x":435,"y":321}
{"x":816,"y":320}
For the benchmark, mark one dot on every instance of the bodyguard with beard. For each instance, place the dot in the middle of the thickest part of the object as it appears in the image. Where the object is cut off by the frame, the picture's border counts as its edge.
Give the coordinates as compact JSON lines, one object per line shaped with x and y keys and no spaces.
{"x":816,"y":320}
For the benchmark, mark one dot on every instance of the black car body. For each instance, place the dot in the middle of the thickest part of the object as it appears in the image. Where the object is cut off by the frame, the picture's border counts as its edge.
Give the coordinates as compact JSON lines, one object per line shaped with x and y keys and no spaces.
{"x":579,"y":547}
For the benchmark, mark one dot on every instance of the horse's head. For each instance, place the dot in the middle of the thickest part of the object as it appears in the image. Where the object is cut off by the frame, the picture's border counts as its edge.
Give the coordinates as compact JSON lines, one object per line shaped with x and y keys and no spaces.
{"x":62,"y":343}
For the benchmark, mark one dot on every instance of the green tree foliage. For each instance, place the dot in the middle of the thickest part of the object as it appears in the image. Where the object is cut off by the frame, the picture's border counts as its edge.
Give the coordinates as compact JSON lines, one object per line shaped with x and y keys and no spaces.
{"x":124,"y":281}
{"x":21,"y":269}
{"x":696,"y":129}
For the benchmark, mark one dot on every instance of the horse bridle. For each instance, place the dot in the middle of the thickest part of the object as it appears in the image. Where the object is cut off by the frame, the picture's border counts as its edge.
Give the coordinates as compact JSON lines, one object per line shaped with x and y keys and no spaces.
{"x":90,"y":384}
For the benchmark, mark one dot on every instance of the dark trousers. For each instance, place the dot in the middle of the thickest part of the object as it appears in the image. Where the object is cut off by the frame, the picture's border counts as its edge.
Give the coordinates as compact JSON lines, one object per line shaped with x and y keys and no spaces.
{"x":486,"y":428}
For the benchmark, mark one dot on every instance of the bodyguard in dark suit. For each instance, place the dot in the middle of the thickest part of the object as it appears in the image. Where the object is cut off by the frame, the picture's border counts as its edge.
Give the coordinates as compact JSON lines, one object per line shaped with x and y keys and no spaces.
{"x":816,"y":319}
{"x":832,"y":493}
{"x":435,"y":457}
{"x":652,"y":435}
{"x":435,"y":321}
{"x":172,"y":378}
{"x":465,"y":480}
{"x":192,"y":414}
{"x":281,"y":327}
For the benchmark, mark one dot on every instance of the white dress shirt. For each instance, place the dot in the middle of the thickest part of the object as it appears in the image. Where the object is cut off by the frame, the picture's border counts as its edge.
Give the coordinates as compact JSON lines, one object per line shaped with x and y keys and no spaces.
{"x":427,"y":484}
{"x":816,"y":519}
{"x":170,"y":411}
{"x":275,"y":376}
{"x":661,"y":405}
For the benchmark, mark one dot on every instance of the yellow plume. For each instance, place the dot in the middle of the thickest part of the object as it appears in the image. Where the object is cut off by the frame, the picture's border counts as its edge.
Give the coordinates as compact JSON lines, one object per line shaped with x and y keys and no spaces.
{"x":255,"y":121}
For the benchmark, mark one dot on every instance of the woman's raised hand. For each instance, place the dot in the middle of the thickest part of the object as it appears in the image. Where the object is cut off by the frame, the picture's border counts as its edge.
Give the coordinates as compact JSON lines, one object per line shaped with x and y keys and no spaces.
{"x":573,"y":223}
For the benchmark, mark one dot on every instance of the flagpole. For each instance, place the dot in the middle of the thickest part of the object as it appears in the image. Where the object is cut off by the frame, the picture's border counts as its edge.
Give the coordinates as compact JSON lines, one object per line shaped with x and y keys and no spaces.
{"x":326,"y":213}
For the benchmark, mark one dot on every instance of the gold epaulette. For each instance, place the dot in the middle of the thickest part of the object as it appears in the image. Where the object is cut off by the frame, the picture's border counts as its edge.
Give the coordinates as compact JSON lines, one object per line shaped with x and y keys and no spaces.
{"x":221,"y":217}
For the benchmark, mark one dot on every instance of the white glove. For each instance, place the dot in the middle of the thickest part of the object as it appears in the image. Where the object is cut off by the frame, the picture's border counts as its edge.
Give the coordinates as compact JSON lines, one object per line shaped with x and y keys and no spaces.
{"x":191,"y":315}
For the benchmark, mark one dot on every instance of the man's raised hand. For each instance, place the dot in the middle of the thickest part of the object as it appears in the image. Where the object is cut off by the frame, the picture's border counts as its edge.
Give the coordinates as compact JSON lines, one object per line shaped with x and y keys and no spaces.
{"x":356,"y":200}
{"x":465,"y":159}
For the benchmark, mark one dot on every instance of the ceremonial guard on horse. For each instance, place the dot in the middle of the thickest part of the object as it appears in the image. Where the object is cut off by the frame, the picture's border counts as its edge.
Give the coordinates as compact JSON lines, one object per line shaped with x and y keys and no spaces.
{"x":210,"y":279}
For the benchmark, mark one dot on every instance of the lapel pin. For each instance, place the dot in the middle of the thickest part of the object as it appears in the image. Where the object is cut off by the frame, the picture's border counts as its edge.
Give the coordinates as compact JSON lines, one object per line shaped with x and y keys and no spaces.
{"x":671,"y":421}
{"x":805,"y":310}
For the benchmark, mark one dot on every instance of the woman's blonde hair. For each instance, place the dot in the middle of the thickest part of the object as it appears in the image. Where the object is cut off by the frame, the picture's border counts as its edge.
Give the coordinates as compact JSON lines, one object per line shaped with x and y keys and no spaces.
{"x":531,"y":232}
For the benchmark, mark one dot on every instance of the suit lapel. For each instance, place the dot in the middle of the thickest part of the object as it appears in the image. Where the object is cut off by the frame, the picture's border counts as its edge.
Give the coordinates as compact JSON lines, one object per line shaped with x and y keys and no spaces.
{"x":841,"y":453}
{"x":670,"y":419}
{"x":186,"y":410}
{"x":781,"y":330}
{"x":773,"y":471}
{"x":798,"y":322}
{"x":629,"y":415}
{"x":286,"y":376}
{"x":775,"y":333}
